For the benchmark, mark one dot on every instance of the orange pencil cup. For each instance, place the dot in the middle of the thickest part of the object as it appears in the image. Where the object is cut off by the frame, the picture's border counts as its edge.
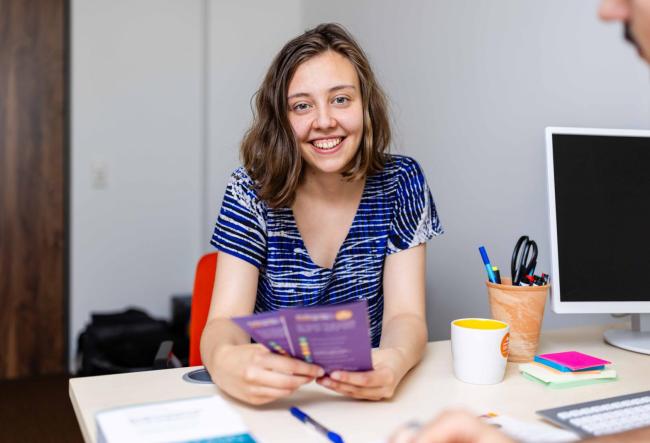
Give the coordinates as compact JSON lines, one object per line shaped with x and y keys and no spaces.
{"x":522,"y":307}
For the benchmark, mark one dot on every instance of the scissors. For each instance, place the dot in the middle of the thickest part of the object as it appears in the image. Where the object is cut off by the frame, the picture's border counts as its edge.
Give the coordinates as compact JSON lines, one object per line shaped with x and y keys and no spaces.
{"x":524,"y":259}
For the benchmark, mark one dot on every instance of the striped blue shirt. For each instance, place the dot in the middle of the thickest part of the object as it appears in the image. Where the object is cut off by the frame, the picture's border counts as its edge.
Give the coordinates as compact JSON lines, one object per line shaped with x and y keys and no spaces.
{"x":396,"y":212}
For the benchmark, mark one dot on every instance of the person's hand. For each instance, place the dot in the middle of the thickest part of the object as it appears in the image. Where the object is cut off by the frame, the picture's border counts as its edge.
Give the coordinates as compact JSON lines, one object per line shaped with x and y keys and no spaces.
{"x":451,"y":427}
{"x":255,"y":375}
{"x":380,"y":383}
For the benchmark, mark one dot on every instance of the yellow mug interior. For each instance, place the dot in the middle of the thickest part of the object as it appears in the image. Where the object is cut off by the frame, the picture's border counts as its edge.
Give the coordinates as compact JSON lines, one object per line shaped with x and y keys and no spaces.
{"x":479,"y":323}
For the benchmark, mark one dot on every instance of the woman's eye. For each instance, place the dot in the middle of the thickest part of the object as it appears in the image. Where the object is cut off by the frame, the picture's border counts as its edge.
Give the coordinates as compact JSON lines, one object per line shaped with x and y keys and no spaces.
{"x":300,"y":107}
{"x":341,"y":100}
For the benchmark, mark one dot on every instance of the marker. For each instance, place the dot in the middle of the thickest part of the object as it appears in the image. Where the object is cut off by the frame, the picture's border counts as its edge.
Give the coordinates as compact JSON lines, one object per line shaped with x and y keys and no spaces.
{"x":488,"y":266}
{"x":539,"y":281}
{"x":497,"y":274}
{"x":331,"y":436}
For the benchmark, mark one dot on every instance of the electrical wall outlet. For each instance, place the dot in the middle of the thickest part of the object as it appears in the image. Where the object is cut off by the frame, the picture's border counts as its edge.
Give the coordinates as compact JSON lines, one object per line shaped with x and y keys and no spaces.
{"x":99,"y":175}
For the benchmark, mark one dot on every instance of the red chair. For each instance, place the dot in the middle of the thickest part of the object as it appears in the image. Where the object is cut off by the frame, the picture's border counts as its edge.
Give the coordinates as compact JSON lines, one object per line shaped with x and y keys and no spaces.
{"x":201,"y":296}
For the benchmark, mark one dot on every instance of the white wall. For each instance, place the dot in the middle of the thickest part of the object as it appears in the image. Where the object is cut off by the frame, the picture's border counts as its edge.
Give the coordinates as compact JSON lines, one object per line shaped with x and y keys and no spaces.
{"x":160,"y":101}
{"x":244,"y":36}
{"x":136,"y":114}
{"x":161,"y":95}
{"x":472,"y":85}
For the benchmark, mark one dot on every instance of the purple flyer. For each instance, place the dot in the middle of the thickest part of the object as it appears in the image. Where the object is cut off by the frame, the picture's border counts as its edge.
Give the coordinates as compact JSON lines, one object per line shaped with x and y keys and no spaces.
{"x":268,"y":329}
{"x":333,"y":337}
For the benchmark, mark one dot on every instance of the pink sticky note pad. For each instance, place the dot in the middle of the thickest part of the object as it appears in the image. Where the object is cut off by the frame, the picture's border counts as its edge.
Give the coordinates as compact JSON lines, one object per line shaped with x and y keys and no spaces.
{"x":575,"y":360}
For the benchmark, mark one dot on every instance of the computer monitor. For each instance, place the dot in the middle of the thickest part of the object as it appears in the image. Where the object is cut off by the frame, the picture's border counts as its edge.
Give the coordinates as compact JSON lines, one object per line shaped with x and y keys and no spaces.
{"x":599,"y":206}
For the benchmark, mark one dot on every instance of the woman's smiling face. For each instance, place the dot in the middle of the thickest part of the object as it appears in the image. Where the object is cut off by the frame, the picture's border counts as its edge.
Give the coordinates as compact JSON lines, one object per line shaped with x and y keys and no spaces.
{"x":326,"y":112}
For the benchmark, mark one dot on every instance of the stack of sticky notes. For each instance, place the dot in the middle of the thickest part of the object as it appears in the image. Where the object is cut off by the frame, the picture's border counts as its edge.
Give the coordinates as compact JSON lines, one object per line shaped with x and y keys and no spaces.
{"x":567,"y":369}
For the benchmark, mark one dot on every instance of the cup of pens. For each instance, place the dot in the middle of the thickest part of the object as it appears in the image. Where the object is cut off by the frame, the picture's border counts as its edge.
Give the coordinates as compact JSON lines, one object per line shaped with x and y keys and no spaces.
{"x":522,"y":305}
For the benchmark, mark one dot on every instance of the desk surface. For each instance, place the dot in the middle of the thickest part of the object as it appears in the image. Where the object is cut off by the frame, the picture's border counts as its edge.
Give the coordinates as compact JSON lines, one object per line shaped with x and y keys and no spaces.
{"x":429,"y":388}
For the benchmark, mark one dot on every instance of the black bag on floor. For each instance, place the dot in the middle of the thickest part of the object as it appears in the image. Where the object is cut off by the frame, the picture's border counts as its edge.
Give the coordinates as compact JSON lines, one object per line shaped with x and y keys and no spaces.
{"x":120,"y":342}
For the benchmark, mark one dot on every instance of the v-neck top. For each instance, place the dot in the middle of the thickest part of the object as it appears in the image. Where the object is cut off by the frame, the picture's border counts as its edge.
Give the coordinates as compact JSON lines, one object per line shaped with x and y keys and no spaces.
{"x":396,"y":212}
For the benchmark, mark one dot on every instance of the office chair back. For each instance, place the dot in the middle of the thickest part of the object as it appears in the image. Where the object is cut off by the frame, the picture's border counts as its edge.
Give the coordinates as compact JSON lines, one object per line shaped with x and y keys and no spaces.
{"x":201,"y":296}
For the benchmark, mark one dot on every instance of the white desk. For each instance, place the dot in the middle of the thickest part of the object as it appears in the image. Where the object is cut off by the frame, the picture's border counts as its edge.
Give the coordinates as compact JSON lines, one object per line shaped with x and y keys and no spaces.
{"x":429,"y":388}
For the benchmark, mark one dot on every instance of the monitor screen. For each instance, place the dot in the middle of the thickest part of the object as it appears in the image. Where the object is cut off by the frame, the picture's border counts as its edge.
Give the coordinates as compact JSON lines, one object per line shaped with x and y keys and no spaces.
{"x":601,"y":187}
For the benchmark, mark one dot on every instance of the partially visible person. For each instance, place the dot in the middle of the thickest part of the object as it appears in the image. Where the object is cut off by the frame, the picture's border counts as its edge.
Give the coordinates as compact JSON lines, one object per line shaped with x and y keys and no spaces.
{"x":452,"y":426}
{"x":462,"y":427}
{"x":320,"y":213}
{"x":635,"y":17}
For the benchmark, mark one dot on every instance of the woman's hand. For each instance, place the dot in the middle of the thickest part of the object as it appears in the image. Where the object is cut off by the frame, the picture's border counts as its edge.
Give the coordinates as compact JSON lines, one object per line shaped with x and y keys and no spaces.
{"x":380,"y":383}
{"x":255,"y":375}
{"x":404,"y":331}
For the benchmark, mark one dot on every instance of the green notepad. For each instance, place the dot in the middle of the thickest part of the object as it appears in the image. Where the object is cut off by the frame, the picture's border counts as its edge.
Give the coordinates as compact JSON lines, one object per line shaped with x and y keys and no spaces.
{"x":572,"y":384}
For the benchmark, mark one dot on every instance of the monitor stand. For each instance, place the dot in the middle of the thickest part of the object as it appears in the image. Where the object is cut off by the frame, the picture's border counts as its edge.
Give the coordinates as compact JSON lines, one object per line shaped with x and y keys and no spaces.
{"x":636,"y":339}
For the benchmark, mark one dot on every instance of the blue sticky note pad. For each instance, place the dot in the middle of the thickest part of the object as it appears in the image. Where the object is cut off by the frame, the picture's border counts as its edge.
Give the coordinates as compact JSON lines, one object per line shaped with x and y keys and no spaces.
{"x":562,"y":368}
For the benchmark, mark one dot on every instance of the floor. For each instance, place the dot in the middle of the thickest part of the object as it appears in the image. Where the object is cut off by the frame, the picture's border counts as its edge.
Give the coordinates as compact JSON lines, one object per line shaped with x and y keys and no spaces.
{"x":37,"y":410}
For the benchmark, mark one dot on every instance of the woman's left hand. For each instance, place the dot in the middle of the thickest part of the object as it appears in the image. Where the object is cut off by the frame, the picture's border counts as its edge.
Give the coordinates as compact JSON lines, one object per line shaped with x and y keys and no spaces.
{"x":403,"y":332}
{"x":389,"y":368}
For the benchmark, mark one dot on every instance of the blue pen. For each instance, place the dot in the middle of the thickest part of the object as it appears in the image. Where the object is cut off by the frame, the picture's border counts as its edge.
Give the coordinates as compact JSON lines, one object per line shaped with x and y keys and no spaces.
{"x":331,"y":436}
{"x":488,"y":266}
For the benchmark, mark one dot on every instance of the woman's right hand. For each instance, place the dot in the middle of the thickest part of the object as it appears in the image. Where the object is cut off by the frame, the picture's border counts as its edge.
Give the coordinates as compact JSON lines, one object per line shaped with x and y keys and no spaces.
{"x":255,"y":375}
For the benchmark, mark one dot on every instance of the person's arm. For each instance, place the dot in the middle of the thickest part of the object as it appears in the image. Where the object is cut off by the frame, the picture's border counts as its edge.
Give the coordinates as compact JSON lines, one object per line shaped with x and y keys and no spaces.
{"x":451,"y":427}
{"x":462,"y":427}
{"x":404,"y":330}
{"x":246,"y":371}
{"x":636,"y":435}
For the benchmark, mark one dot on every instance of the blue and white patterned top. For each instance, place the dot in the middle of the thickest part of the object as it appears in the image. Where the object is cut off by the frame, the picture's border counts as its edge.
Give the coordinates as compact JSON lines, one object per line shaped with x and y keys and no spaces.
{"x":396,"y":212}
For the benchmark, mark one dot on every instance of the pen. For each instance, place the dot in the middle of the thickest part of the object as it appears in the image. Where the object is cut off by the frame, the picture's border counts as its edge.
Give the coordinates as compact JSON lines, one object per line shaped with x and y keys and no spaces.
{"x":544,"y":279}
{"x":486,"y":262}
{"x":331,"y":436}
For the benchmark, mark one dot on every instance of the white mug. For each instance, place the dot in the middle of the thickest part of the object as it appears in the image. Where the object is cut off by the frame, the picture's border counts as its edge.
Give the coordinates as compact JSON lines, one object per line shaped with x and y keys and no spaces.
{"x":479,"y":348}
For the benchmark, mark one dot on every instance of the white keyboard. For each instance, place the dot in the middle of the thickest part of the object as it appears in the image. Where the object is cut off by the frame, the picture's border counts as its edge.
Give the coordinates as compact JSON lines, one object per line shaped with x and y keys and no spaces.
{"x":605,"y":416}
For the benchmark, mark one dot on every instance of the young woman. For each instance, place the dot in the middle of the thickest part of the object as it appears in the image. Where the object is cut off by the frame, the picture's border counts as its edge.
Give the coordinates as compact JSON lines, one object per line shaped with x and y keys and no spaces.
{"x":319,"y":214}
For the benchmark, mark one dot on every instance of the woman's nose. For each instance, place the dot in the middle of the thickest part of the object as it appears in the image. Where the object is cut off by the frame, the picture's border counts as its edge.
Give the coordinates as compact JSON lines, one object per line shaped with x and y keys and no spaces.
{"x":614,"y":10}
{"x":324,"y":119}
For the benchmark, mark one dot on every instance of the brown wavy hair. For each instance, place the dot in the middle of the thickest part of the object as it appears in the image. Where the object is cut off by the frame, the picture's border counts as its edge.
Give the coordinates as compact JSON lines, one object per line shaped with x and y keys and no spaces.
{"x":269,"y":150}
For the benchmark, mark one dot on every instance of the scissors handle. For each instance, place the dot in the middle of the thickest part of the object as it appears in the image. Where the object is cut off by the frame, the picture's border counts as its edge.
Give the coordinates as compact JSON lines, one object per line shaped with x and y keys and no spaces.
{"x":514,"y":266}
{"x":530,"y":267}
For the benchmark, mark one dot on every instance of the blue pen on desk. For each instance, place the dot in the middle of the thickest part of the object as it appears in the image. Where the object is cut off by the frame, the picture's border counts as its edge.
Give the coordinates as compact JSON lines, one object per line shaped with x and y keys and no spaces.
{"x":331,"y":436}
{"x":488,"y":266}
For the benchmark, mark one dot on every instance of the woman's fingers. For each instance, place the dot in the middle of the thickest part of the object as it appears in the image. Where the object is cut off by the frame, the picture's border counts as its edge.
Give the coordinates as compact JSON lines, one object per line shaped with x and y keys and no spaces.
{"x":267,"y":377}
{"x":364,"y":393}
{"x":259,"y":395}
{"x":369,"y":385}
{"x":288,"y":365}
{"x":271,"y":376}
{"x":369,"y":379}
{"x":253,"y":374}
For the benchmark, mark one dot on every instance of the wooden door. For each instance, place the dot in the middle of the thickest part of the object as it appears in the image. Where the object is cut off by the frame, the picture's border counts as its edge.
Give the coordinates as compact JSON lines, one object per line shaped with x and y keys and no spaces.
{"x":33,"y":186}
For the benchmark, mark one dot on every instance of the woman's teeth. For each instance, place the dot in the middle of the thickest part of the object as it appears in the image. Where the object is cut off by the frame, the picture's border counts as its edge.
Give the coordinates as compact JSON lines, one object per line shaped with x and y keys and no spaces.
{"x":330,"y":143}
